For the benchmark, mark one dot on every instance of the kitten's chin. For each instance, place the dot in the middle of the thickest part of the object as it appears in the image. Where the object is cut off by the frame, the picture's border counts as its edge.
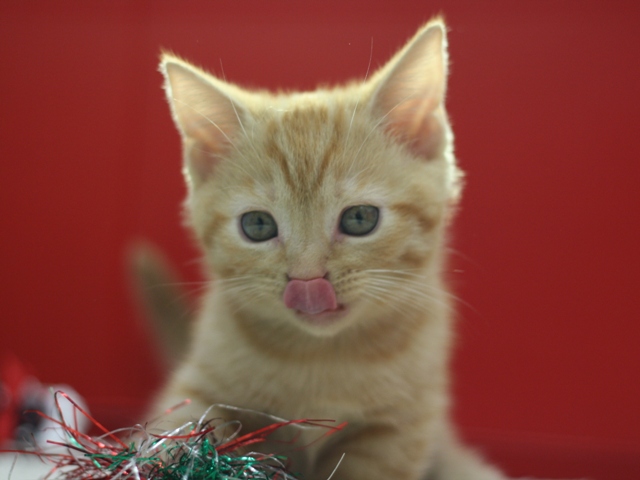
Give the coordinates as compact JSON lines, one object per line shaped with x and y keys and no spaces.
{"x":326,"y":322}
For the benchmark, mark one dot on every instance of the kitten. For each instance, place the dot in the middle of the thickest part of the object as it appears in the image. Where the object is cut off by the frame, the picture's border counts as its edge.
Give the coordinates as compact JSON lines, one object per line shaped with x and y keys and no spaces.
{"x":323,"y":218}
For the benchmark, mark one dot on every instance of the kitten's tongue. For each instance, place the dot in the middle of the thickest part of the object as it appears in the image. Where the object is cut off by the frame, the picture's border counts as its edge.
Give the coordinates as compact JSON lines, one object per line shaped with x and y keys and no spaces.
{"x":310,"y":296}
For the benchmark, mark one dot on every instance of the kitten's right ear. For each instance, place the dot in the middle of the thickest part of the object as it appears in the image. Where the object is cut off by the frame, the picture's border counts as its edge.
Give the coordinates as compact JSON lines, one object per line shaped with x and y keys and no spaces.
{"x":205,"y":115}
{"x":410,"y":92}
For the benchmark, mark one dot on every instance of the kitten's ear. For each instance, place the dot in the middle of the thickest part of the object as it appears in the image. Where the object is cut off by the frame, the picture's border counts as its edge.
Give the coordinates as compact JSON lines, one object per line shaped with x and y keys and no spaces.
{"x":207,"y":117}
{"x":410,"y":92}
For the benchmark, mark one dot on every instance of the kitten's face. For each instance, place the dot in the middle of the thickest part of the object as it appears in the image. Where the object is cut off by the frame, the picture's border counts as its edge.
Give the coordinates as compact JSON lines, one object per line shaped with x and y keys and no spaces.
{"x":305,"y":169}
{"x":325,"y":209}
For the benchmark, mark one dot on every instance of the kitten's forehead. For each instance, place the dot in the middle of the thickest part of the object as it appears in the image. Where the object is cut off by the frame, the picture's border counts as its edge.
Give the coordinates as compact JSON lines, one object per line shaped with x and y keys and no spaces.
{"x":302,"y":154}
{"x":304,"y":144}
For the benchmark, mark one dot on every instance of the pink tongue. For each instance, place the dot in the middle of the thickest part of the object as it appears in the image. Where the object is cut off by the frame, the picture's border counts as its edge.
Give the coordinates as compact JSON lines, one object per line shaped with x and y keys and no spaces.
{"x":310,"y":296}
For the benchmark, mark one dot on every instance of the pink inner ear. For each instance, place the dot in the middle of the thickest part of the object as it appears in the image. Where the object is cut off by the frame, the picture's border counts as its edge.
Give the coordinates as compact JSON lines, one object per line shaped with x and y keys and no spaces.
{"x":427,"y":140}
{"x":410,"y":97}
{"x":200,"y":161}
{"x":310,"y":296}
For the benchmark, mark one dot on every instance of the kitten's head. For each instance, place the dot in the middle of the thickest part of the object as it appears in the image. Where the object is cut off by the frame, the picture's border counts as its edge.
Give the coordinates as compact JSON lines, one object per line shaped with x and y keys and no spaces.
{"x":322,"y":209}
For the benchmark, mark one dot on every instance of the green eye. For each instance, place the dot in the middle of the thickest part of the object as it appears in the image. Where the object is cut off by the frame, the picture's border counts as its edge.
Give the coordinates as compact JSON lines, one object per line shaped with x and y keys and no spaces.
{"x":259,"y":226}
{"x":359,"y":220}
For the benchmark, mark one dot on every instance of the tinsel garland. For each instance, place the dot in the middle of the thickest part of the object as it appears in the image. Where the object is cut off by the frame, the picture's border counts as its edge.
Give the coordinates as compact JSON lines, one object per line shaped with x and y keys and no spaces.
{"x":190,"y":452}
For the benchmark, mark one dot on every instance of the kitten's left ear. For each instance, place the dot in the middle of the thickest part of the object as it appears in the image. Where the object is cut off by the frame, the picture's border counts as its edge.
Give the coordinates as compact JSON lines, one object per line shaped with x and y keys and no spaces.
{"x":205,"y":113}
{"x":410,"y":92}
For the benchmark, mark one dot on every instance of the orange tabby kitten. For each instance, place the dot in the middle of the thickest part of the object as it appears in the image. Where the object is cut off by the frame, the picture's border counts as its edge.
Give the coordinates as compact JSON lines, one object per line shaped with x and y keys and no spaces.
{"x":323,"y":217}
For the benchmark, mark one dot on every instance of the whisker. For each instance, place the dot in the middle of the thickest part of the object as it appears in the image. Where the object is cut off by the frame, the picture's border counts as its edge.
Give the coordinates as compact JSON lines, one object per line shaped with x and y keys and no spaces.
{"x":406,"y":285}
{"x":463,"y":256}
{"x":409,"y":293}
{"x":236,"y":164}
{"x":358,"y":101}
{"x":382,"y":119}
{"x":234,"y":278}
{"x":251,"y":286}
{"x":391,"y":274}
{"x":208,"y":120}
{"x":257,"y":294}
{"x":405,"y":306}
{"x":378,"y":299}
{"x":233,"y":105}
{"x":199,"y":260}
{"x":401,"y":272}
{"x":179,"y":284}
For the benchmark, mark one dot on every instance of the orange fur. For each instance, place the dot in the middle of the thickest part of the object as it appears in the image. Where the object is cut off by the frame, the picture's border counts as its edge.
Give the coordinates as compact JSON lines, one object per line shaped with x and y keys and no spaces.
{"x":304,"y":158}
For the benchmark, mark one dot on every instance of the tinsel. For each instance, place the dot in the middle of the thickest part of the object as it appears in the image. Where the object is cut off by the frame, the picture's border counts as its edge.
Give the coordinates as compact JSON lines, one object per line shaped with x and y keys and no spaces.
{"x":190,"y":452}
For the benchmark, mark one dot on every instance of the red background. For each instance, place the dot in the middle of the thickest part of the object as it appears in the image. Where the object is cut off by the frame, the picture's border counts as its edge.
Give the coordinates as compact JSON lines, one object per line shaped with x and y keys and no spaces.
{"x":544,"y":101}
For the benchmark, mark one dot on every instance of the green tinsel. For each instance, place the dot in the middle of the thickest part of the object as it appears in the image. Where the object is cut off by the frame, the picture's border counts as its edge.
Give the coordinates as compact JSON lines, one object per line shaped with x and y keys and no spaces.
{"x":191,"y":452}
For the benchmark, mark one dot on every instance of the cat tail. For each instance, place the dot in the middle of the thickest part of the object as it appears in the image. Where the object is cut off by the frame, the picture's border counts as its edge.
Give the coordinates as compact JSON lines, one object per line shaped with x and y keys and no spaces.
{"x":162,"y":299}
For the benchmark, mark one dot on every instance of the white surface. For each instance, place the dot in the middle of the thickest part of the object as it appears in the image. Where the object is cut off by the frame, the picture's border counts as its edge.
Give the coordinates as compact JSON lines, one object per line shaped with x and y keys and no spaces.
{"x":27,"y":467}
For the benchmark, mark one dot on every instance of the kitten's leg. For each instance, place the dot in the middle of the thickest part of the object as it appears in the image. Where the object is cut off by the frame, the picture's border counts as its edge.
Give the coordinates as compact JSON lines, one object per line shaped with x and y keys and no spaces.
{"x":161,"y":418}
{"x":454,"y":461}
{"x":378,"y":452}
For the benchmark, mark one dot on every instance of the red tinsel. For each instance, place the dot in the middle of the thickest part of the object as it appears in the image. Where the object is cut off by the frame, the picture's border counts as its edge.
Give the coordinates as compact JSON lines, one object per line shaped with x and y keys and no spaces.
{"x":191,"y":452}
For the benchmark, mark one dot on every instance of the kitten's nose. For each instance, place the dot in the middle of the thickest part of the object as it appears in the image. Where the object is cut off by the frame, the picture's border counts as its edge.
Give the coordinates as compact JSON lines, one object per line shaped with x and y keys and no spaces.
{"x":310,"y":296}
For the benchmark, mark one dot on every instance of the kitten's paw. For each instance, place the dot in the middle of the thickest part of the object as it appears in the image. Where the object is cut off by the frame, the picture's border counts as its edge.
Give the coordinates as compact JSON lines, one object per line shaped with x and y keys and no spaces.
{"x":534,"y":478}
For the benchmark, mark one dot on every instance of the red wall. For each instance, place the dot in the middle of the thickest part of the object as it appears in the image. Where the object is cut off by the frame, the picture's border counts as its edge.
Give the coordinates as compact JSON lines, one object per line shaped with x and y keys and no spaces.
{"x":545,"y":105}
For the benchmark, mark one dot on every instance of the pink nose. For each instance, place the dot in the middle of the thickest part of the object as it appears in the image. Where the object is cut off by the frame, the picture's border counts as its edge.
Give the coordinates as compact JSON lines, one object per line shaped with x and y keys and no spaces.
{"x":310,"y":296}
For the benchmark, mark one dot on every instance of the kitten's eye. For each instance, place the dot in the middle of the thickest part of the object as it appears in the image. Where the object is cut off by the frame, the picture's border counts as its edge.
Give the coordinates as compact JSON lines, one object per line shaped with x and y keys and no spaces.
{"x":259,"y":226}
{"x":359,"y":220}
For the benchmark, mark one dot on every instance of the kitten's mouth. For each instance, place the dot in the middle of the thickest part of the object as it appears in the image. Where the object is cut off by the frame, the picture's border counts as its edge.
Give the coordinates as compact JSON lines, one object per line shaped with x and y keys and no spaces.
{"x":313,"y":300}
